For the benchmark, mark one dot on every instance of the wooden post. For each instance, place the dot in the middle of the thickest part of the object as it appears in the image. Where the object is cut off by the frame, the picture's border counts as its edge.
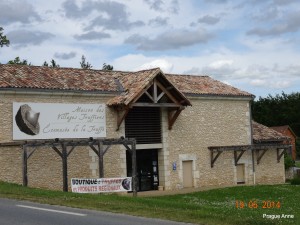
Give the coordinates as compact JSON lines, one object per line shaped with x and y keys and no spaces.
{"x":101,"y":155}
{"x":134,"y":172}
{"x":65,"y":167}
{"x":25,"y":174}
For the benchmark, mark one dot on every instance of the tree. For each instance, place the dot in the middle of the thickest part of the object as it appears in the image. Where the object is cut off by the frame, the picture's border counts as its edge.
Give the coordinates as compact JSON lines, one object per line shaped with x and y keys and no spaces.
{"x":52,"y":64}
{"x":279,"y":110}
{"x":107,"y":67}
{"x":84,"y":64}
{"x":3,"y":39}
{"x":18,"y":61}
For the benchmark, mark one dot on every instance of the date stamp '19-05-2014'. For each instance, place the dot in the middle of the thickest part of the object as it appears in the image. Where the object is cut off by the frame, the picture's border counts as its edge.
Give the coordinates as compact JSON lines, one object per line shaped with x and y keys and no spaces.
{"x":265,"y":204}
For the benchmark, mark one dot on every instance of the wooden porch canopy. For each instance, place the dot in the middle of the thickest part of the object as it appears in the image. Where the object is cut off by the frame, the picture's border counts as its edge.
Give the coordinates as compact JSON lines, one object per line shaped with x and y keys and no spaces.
{"x":148,"y":89}
{"x":65,"y":147}
{"x":239,"y":150}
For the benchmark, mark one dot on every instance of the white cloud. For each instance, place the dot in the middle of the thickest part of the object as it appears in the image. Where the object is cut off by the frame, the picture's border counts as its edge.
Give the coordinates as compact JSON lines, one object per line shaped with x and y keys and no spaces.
{"x":258,"y":82}
{"x":163,"y":64}
{"x":172,"y":39}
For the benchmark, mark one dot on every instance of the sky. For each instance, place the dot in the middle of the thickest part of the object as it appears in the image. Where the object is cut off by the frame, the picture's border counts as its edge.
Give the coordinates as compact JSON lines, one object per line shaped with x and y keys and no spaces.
{"x":253,"y":45}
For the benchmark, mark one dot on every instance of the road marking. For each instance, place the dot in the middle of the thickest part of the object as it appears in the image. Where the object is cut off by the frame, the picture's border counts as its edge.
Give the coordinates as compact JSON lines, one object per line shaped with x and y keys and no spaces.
{"x":52,"y":210}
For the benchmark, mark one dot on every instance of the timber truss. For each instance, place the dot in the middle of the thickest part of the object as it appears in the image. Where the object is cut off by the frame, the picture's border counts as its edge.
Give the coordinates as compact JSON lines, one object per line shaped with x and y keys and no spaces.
{"x":158,"y":93}
{"x":65,"y":147}
{"x":239,"y":150}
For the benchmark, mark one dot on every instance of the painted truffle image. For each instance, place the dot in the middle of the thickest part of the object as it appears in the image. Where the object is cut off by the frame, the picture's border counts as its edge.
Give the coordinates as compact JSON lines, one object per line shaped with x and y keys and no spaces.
{"x":27,"y":120}
{"x":126,"y":183}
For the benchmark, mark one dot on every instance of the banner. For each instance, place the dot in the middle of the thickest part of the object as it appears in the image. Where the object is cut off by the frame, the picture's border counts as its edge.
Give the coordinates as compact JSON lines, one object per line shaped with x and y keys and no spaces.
{"x":53,"y":120}
{"x":101,"y":185}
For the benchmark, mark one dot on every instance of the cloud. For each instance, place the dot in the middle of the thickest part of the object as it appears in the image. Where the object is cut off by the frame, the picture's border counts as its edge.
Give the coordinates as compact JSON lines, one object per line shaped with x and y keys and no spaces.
{"x":271,"y":83}
{"x":163,"y":6}
{"x":174,"y":8}
{"x":290,"y":25}
{"x":92,"y":35}
{"x":284,"y":2}
{"x":258,"y":82}
{"x":193,"y":71}
{"x":210,"y":20}
{"x":109,"y":15}
{"x":23,"y":38}
{"x":220,"y":68}
{"x":17,"y":11}
{"x":216,"y":1}
{"x":163,"y":64}
{"x":156,"y":5}
{"x":268,"y":13}
{"x":173,"y":39}
{"x":158,"y":21}
{"x":65,"y":56}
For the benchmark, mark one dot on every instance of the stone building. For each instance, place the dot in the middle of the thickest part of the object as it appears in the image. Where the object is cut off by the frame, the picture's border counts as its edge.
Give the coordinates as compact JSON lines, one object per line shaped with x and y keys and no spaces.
{"x":191,"y":131}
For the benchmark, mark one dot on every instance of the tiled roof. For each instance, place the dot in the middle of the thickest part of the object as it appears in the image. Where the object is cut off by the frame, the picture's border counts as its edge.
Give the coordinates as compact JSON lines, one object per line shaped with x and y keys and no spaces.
{"x":204,"y":85}
{"x":17,"y":76}
{"x":133,"y":84}
{"x":262,"y":133}
{"x":34,"y":77}
{"x":282,"y":129}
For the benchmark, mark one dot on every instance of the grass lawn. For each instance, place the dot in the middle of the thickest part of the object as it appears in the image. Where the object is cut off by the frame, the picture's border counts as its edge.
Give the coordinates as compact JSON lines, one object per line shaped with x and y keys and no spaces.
{"x":297,"y":164}
{"x":211,"y":207}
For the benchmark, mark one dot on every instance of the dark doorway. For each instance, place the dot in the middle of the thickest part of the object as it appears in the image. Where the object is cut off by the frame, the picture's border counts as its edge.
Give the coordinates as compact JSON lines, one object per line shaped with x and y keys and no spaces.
{"x":147,"y":169}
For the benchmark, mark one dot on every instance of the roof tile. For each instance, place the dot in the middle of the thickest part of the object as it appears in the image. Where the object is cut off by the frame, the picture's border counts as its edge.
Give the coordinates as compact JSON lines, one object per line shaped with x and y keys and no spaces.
{"x":35,"y":77}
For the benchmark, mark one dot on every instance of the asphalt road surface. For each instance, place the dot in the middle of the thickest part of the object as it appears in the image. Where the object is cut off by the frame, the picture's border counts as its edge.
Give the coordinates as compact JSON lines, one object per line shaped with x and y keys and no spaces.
{"x":14,"y":212}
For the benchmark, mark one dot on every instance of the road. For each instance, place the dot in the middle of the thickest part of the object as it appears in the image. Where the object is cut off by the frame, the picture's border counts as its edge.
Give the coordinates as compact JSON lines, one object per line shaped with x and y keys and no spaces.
{"x":13,"y":212}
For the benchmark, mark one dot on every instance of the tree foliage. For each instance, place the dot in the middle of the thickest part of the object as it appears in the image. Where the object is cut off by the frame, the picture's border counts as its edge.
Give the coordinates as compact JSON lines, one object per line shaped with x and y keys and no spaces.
{"x":52,"y":64}
{"x":3,"y":39}
{"x":18,"y":61}
{"x":279,"y":110}
{"x":84,"y":64}
{"x":107,"y":67}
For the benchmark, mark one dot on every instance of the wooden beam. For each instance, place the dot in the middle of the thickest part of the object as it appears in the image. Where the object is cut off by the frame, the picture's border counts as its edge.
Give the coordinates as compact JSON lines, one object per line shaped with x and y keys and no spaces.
{"x":94,"y":149}
{"x":101,"y":159}
{"x":160,"y":96}
{"x":167,"y":92}
{"x":162,"y":105}
{"x":57,"y":151}
{"x":65,"y":167}
{"x":30,"y":154}
{"x":25,"y":172}
{"x":71,"y":150}
{"x":155,"y":91}
{"x":237,"y":156}
{"x":134,"y":169}
{"x":151,"y":97}
{"x":172,"y":117}
{"x":143,"y":91}
{"x":259,"y":156}
{"x":279,"y":155}
{"x":121,"y":117}
{"x":214,"y":158}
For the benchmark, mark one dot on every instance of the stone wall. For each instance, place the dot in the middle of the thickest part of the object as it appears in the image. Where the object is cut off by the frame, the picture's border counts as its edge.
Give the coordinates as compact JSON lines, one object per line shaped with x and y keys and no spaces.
{"x":214,"y":122}
{"x":208,"y":122}
{"x":45,"y":166}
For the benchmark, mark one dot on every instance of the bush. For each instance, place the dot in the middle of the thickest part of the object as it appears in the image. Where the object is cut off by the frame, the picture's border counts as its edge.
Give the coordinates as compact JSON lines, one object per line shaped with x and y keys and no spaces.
{"x":288,"y":162}
{"x":295,"y":181}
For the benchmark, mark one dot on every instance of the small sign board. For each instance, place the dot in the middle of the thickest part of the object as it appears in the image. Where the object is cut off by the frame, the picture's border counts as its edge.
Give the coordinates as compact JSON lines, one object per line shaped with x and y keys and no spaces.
{"x":55,"y":120}
{"x":82,"y":185}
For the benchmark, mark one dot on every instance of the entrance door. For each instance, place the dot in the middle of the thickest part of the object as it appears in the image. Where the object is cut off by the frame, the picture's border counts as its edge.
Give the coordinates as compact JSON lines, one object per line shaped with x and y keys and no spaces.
{"x":187,"y":167}
{"x":147,"y":169}
{"x":240,"y":173}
